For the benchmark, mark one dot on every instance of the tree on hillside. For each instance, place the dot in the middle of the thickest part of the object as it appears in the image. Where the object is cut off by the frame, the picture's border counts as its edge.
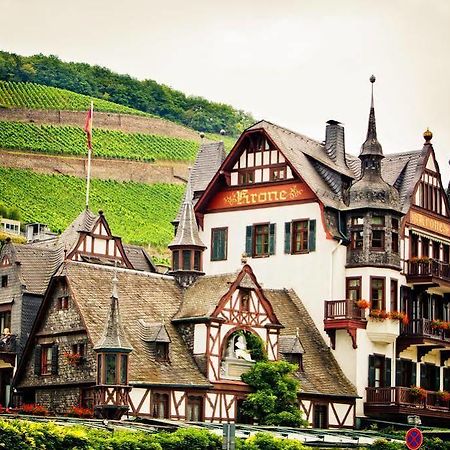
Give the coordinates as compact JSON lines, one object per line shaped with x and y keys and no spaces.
{"x":147,"y":95}
{"x":274,"y":400}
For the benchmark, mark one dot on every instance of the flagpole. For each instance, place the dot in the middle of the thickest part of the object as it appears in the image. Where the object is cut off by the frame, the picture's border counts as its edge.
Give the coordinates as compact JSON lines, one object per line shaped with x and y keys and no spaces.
{"x":88,"y":179}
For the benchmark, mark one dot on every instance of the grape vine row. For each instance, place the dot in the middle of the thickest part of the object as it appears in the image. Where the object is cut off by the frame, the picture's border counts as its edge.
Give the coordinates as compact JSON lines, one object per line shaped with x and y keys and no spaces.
{"x":68,"y":140}
{"x":38,"y":96}
{"x":139,"y":213}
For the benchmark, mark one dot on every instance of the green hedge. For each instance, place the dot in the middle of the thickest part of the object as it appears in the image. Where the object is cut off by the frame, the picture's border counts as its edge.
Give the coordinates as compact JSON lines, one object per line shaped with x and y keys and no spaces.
{"x":24,"y":435}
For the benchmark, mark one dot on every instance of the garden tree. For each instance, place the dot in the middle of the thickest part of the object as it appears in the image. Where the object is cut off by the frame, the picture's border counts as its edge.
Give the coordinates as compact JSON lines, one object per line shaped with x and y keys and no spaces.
{"x":274,"y":400}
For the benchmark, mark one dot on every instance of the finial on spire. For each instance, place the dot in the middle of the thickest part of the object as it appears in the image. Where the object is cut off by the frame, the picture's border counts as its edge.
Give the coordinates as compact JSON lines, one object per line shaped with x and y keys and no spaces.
{"x":428,"y":135}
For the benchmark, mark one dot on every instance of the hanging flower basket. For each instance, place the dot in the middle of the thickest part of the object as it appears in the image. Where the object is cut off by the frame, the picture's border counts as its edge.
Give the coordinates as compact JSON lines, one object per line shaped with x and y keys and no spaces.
{"x":362,"y":304}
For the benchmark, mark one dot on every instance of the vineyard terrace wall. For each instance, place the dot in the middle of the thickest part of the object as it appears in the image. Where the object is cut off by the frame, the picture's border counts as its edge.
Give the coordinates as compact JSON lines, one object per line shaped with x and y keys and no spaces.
{"x":122,"y":122}
{"x":104,"y":169}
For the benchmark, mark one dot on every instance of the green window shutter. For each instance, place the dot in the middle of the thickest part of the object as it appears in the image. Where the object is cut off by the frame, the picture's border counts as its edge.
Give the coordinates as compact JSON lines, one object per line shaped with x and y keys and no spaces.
{"x":437,"y":378}
{"x":423,"y":376}
{"x":447,"y":379}
{"x":371,"y":371}
{"x":249,"y":240}
{"x":387,"y":372}
{"x":398,"y":372}
{"x":37,"y":359}
{"x":54,"y":359}
{"x":312,"y":236}
{"x":413,"y":374}
{"x":287,"y":237}
{"x":218,"y":245}
{"x":272,"y":239}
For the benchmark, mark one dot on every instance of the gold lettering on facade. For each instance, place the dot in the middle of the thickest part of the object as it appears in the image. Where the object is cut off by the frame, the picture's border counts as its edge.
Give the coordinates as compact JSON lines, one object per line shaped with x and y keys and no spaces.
{"x":250,"y":197}
{"x":429,"y":223}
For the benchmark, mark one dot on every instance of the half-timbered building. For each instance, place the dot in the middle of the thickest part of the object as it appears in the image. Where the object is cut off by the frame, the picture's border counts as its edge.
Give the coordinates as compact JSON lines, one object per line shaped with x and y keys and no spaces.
{"x":186,"y":360}
{"x":339,"y":229}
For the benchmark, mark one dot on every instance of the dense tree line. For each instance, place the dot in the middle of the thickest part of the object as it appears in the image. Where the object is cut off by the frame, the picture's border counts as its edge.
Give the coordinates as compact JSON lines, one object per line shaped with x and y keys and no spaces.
{"x":147,"y":95}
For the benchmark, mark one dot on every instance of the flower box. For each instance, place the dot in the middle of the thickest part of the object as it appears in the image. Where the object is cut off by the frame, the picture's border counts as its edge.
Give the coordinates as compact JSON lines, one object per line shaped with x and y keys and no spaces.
{"x":384,"y":331}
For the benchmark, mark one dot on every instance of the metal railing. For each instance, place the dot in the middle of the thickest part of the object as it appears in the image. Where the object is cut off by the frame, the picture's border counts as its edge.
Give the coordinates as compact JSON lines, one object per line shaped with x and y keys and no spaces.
{"x":426,"y":328}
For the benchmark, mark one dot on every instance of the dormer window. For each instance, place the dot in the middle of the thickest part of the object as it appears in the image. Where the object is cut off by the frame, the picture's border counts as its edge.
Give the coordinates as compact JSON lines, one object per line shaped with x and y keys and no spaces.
{"x":162,"y":351}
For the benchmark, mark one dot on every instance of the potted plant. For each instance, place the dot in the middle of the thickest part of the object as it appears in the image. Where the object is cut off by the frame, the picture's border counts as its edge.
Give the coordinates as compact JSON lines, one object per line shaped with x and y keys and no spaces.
{"x":378,"y":314}
{"x":399,"y":315}
{"x":74,"y":359}
{"x":362,"y":304}
{"x":418,"y":393}
{"x":437,"y":324}
{"x":443,"y":397}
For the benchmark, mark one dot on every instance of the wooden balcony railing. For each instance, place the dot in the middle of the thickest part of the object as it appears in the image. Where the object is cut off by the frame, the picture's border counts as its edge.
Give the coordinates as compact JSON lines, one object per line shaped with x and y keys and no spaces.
{"x":343,"y":310}
{"x":114,"y":395}
{"x":423,"y":268}
{"x":8,"y":343}
{"x":425,"y":328}
{"x":403,"y":396}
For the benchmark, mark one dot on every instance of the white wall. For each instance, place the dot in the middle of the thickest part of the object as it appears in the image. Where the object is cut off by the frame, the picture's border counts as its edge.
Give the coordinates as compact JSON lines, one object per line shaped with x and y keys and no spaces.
{"x":310,"y":275}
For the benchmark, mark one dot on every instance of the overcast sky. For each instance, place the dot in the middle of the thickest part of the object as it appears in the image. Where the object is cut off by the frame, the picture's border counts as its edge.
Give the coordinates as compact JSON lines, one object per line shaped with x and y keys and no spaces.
{"x":296,"y":63}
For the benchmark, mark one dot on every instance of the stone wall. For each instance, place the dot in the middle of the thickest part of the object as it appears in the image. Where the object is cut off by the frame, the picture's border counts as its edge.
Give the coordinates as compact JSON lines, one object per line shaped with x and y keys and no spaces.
{"x":58,"y":400}
{"x":105,"y":169}
{"x":62,"y":327}
{"x":122,"y":122}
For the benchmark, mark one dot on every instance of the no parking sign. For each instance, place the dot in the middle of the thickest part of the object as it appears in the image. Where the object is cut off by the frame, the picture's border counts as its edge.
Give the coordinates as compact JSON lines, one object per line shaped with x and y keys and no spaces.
{"x":414,"y":438}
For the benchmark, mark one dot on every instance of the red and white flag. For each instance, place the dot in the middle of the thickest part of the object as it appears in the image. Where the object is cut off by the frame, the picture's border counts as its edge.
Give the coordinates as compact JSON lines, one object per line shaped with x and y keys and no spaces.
{"x":88,"y":125}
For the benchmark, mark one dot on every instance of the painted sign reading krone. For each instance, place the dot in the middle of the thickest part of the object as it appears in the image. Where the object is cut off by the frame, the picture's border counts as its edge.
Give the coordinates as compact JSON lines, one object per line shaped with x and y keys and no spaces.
{"x":261,"y":195}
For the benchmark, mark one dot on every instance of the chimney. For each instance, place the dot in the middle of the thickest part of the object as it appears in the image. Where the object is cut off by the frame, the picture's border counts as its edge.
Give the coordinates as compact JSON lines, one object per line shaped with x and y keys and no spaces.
{"x":335,"y":143}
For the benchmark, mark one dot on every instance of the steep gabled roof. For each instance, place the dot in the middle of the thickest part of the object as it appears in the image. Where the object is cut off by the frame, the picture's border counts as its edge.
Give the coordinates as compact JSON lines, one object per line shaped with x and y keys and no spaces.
{"x":139,"y":258}
{"x":143,"y":296}
{"x":322,"y":374}
{"x":37,"y":265}
{"x":207,"y":162}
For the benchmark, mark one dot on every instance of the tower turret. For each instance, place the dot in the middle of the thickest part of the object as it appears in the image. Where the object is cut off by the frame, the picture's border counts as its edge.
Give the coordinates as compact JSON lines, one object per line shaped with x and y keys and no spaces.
{"x":113,"y":349}
{"x":374,"y":208}
{"x":187,"y":248}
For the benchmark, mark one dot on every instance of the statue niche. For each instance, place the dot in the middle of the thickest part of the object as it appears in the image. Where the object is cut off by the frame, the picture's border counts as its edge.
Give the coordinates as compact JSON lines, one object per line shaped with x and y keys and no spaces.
{"x":237,"y":359}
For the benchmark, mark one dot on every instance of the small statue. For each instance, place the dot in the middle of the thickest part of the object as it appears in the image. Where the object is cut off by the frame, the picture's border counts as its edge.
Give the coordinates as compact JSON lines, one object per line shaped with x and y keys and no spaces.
{"x":241,"y":349}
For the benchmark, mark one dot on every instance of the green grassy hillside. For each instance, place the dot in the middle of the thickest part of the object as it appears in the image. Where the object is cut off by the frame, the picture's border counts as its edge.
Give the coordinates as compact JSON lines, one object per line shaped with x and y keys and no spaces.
{"x":37,"y":96}
{"x":68,"y":140}
{"x":139,"y":213}
{"x":146,"y":95}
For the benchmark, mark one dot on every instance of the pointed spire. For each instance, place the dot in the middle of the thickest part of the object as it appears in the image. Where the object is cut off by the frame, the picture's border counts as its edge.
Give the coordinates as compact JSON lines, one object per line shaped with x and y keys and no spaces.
{"x":187,"y":231}
{"x":371,"y":145}
{"x":113,"y":339}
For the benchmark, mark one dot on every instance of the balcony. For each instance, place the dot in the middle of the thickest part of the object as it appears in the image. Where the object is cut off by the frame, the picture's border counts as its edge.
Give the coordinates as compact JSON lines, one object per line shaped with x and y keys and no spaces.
{"x":392,"y":402}
{"x":425,"y":333}
{"x":343,"y":315}
{"x":8,"y":349}
{"x":427,"y":271}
